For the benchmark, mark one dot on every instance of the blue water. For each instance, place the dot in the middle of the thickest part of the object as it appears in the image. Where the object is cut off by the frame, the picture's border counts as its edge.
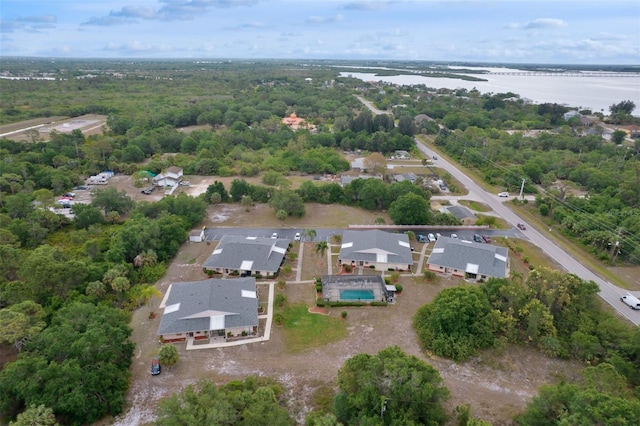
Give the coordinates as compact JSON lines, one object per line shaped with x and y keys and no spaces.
{"x":356,"y":295}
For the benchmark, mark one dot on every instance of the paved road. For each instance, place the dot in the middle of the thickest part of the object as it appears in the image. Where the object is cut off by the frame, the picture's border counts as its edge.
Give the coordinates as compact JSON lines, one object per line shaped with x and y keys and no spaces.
{"x":371,"y":107}
{"x":610,"y":293}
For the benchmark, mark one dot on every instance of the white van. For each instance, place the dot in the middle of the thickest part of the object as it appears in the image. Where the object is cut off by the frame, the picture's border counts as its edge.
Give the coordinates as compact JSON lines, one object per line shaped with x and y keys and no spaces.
{"x":631,"y":300}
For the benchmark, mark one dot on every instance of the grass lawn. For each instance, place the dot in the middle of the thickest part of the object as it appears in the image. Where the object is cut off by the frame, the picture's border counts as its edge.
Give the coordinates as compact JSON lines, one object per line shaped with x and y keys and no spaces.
{"x":475,"y":205}
{"x":304,"y":330}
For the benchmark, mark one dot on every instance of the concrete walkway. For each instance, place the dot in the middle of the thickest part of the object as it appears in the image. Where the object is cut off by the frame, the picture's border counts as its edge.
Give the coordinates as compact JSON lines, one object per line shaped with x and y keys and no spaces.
{"x":263,"y":338}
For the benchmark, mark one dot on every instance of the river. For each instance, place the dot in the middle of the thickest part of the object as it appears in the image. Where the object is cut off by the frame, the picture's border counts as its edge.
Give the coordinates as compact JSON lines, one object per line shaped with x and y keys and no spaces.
{"x":596,"y":93}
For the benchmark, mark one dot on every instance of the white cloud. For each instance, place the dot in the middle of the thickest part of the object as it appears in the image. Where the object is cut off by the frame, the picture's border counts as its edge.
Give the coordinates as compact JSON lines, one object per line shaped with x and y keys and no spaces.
{"x":538,"y":23}
{"x":325,"y":19}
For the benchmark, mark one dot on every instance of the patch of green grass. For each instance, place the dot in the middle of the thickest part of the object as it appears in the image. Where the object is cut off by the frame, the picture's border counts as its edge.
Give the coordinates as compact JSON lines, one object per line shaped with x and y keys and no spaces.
{"x":476,"y":206}
{"x":304,"y":330}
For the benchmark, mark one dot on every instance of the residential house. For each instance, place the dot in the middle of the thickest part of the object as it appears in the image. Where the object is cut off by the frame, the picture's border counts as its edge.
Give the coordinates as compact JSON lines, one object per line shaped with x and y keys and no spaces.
{"x":632,"y":131}
{"x":411,"y":177}
{"x":247,"y":256}
{"x":171,"y":177}
{"x":469,"y":260}
{"x":294,"y":122}
{"x":376,"y":249}
{"x":466,"y":216}
{"x":345,"y":180}
{"x":213,"y":307}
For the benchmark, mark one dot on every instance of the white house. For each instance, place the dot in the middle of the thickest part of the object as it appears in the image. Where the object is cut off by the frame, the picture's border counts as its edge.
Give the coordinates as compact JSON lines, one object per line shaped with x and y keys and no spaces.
{"x":376,"y":249}
{"x":213,"y":307}
{"x":469,"y":260}
{"x":171,"y":177}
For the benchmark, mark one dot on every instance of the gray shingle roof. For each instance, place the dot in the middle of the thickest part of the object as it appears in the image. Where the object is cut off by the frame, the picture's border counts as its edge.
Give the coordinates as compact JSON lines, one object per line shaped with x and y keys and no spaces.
{"x":461,"y":212}
{"x":376,"y":246}
{"x":264,"y":254}
{"x":485,"y":259}
{"x":190,"y":305}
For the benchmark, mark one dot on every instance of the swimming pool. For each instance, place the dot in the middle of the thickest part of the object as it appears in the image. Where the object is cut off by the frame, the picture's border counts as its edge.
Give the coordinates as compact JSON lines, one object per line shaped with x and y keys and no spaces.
{"x":356,"y":295}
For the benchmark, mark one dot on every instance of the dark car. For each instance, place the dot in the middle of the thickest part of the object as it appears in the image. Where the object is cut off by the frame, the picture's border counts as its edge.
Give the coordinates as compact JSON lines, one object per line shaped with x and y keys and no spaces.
{"x":486,"y":239}
{"x":522,"y":227}
{"x":155,"y":366}
{"x":477,"y":238}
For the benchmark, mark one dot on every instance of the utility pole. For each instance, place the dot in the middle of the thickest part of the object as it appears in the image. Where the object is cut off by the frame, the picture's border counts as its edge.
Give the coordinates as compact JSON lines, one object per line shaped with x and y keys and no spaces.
{"x":383,"y":406}
{"x":522,"y":189}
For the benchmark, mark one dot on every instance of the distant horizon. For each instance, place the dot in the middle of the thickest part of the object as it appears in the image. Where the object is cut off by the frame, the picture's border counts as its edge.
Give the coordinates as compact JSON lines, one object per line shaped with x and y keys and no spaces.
{"x":567,"y":32}
{"x":358,"y":60}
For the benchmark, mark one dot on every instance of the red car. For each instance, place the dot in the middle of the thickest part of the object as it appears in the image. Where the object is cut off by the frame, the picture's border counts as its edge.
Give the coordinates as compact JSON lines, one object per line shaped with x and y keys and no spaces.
{"x":522,"y":227}
{"x":486,"y":239}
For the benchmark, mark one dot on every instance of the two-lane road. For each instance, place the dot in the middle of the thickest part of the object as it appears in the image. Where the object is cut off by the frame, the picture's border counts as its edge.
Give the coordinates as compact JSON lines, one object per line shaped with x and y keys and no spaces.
{"x":608,"y":291}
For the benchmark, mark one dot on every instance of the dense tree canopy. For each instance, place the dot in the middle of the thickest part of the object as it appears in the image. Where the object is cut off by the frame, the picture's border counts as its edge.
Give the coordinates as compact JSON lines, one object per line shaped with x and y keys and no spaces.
{"x":78,"y":366}
{"x":410,"y":209}
{"x":390,"y":388}
{"x":253,"y":401}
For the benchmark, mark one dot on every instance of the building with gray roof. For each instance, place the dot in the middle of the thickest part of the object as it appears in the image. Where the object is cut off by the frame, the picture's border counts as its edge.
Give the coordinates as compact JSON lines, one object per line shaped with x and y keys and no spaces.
{"x":213,"y":307}
{"x":462,"y":213}
{"x":469,"y":260}
{"x":382,"y":250}
{"x":247,"y":255}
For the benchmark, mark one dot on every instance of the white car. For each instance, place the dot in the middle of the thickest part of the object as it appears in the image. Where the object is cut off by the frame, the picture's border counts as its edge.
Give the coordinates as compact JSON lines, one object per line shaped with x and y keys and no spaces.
{"x":503,"y":194}
{"x":432,"y":238}
{"x":297,"y":237}
{"x":454,"y":236}
{"x":274,"y":236}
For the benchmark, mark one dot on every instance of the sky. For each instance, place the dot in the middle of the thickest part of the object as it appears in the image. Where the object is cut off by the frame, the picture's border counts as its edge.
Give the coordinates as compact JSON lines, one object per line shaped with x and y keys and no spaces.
{"x":504,"y":31}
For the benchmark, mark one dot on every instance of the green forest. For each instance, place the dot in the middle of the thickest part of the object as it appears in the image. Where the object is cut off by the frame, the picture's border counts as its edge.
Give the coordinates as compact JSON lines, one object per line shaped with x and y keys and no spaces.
{"x":68,"y":286}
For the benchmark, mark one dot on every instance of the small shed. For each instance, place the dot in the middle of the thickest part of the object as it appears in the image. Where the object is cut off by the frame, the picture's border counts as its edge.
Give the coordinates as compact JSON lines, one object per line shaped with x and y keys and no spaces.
{"x":196,"y":236}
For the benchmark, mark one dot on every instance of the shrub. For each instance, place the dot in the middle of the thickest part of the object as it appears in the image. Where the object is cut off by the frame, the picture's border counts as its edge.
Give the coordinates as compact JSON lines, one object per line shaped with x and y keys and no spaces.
{"x":398,"y":288}
{"x":343,"y":314}
{"x":319,"y":303}
{"x":429,"y":275}
{"x":348,"y":268}
{"x":280,"y":300}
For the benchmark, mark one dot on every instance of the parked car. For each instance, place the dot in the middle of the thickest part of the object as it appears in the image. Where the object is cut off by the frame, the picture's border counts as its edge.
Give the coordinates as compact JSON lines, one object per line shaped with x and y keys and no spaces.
{"x":454,"y":236}
{"x":435,"y":157}
{"x":297,"y":237}
{"x":421,"y":238}
{"x":477,"y":238}
{"x":80,"y":188}
{"x":522,"y":227}
{"x":432,"y":238}
{"x":486,"y":239}
{"x":274,"y":236}
{"x":70,"y":194}
{"x":503,"y":194}
{"x":185,"y":183}
{"x":155,"y":366}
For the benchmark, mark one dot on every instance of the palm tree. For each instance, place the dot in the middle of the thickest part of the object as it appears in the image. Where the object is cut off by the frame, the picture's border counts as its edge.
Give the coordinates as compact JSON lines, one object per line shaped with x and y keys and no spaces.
{"x":322,"y":247}
{"x":146,"y":258}
{"x":309,"y":233}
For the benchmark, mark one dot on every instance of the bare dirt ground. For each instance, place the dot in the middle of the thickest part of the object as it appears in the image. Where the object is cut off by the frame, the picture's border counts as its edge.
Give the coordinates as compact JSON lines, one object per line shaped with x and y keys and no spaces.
{"x":497,"y":384}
